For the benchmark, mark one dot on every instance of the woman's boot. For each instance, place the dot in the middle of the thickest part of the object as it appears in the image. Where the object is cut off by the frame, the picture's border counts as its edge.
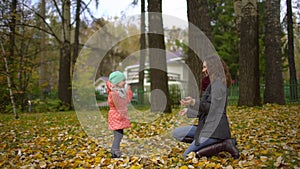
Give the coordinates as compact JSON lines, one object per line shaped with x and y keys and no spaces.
{"x":231,"y":148}
{"x":211,"y":150}
{"x":227,"y":145}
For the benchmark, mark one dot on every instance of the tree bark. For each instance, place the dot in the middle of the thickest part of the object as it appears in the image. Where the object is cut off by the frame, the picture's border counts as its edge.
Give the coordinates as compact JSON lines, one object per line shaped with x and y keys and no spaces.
{"x":21,"y":79}
{"x":9,"y":84}
{"x":64,"y":86}
{"x":10,"y":61}
{"x":249,"y":90}
{"x":12,"y":26}
{"x":142,"y":55}
{"x":198,"y":15}
{"x":290,"y":52}
{"x":160,"y":99}
{"x":43,"y":66}
{"x":274,"y":91}
{"x":77,"y":32}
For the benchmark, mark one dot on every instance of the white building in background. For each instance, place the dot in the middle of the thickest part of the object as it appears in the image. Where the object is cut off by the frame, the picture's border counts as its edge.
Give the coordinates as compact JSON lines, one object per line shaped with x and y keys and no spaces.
{"x":176,"y":68}
{"x":100,"y":84}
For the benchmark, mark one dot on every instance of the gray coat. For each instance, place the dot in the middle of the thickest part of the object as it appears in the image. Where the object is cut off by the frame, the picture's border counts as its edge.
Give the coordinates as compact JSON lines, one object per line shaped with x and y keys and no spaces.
{"x":211,"y":111}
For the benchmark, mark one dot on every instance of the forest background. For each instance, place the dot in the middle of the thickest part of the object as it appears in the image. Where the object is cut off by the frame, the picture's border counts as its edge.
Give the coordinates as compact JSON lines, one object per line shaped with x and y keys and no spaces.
{"x":41,"y":41}
{"x":40,"y":44}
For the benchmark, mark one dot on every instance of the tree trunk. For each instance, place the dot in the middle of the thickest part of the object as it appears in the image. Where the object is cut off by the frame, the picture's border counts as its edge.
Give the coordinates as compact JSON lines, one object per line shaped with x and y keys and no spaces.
{"x":43,"y":66}
{"x":10,"y":90}
{"x":10,"y":61}
{"x":274,"y":91}
{"x":9,"y":83}
{"x":21,"y":78}
{"x":142,"y":55}
{"x":249,"y":94}
{"x":290,"y":52}
{"x":11,"y":56}
{"x":64,"y":86}
{"x":202,"y":22}
{"x":77,"y":32}
{"x":160,"y":99}
{"x":12,"y":26}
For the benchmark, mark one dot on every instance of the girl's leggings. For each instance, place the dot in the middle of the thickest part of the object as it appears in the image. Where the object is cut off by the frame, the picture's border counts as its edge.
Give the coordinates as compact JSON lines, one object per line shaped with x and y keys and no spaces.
{"x":118,"y":135}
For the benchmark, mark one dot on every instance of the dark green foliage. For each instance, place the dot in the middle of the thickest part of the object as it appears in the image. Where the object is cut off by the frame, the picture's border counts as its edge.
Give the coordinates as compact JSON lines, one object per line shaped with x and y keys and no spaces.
{"x":224,"y":33}
{"x":47,"y":105}
{"x":4,"y":100}
{"x":175,"y":94}
{"x":225,"y":37}
{"x":100,"y":96}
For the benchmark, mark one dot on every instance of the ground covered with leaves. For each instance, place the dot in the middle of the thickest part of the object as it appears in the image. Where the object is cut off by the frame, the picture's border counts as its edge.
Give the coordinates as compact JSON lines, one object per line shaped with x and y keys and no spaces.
{"x":267,"y":137}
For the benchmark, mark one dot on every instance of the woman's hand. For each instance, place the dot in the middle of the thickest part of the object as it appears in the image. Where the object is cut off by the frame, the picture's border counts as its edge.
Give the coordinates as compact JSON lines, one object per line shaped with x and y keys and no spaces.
{"x":183,"y":112}
{"x":187,"y":101}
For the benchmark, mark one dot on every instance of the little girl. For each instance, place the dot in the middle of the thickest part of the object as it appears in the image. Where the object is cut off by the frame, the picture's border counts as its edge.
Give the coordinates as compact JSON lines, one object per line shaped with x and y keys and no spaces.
{"x":119,"y":95}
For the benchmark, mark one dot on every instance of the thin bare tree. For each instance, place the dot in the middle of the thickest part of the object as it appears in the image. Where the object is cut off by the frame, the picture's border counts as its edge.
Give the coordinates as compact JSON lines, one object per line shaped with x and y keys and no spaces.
{"x":43,"y":66}
{"x":290,"y":52}
{"x":142,"y":54}
{"x":11,"y":95}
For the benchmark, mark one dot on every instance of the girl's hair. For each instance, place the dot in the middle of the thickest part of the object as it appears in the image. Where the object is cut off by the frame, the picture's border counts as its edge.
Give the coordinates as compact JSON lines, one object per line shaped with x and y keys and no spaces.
{"x":217,"y":68}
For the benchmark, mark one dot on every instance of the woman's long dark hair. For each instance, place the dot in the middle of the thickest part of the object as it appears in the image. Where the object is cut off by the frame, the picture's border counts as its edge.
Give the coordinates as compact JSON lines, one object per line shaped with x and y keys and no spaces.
{"x":217,"y":68}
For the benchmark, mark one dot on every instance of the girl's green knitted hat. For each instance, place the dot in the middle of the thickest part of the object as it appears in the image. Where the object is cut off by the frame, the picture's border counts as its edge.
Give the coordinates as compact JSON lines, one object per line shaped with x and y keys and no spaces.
{"x":116,"y":77}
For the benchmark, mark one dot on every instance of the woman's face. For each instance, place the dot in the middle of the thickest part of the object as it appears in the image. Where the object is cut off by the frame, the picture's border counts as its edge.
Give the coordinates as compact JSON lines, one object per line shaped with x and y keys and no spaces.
{"x":204,"y":69}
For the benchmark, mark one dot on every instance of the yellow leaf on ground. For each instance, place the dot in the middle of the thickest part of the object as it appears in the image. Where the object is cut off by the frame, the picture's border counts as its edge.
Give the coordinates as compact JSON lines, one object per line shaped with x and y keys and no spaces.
{"x":263,"y":158}
{"x":184,"y":167}
{"x":135,"y":167}
{"x":43,"y":164}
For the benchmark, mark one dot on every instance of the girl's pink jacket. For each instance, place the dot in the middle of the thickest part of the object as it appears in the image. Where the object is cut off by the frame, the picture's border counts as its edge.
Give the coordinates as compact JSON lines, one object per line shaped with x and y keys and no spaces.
{"x":118,"y":112}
